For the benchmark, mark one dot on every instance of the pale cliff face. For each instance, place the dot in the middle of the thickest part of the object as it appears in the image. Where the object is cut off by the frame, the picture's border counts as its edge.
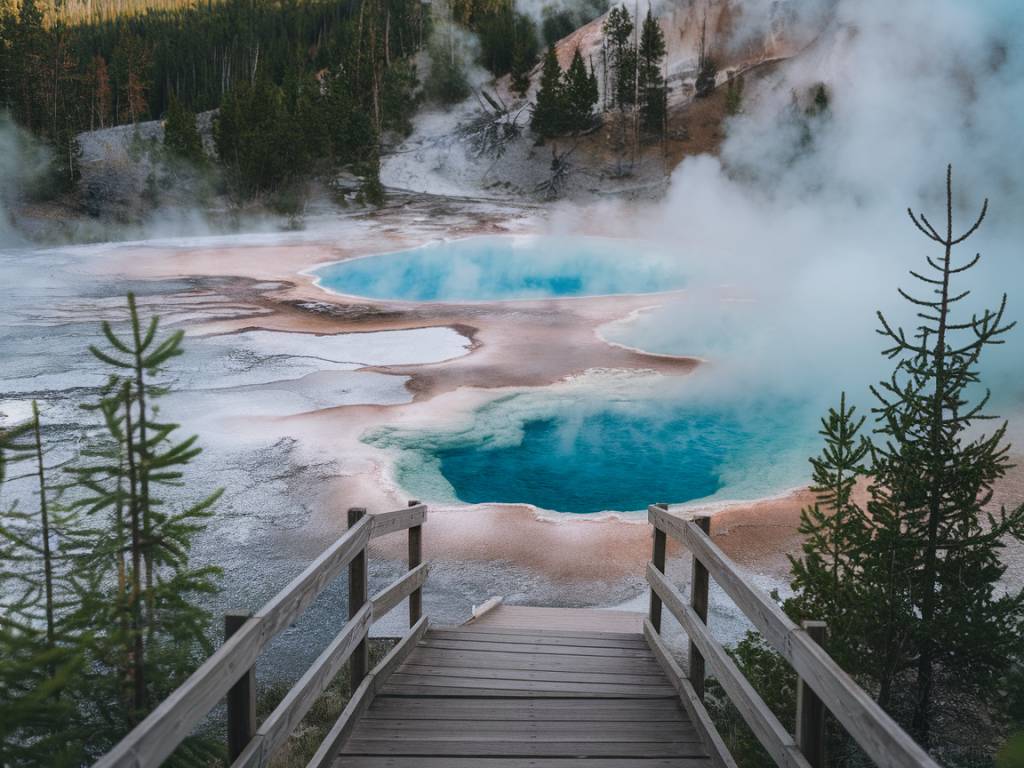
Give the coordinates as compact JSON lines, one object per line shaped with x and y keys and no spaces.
{"x":738,"y":34}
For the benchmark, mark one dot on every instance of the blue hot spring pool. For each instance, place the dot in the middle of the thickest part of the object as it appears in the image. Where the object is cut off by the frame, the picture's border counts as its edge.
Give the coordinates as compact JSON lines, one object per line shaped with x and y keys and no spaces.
{"x":582,"y":456}
{"x":506,"y":267}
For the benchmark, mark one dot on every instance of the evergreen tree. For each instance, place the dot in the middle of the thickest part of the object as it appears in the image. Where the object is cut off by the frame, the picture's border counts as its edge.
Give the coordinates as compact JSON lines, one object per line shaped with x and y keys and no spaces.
{"x":827,"y":578}
{"x":934,"y":478}
{"x":707,"y":70}
{"x":549,"y":111}
{"x":580,"y":95}
{"x":446,"y":81}
{"x":136,"y":586}
{"x":618,"y":30}
{"x":653,"y":93}
{"x":522,"y":65}
{"x":913,"y":584}
{"x":734,"y":94}
{"x":38,"y":653}
{"x":181,"y":136}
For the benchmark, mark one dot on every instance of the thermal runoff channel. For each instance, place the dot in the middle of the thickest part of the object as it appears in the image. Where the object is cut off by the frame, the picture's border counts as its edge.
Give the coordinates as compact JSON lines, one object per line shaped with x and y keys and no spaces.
{"x":506,"y":267}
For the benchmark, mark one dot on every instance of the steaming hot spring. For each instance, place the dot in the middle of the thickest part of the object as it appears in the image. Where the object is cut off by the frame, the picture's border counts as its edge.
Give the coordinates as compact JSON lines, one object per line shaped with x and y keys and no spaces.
{"x":602,"y":443}
{"x":506,"y":267}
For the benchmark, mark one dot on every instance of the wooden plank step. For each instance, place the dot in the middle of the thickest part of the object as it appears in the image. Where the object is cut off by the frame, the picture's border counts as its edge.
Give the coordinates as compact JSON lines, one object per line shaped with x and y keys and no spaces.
{"x":407,"y":689}
{"x":472,"y":645}
{"x":539,"y":617}
{"x":560,"y":748}
{"x":516,"y":709}
{"x":547,"y":661}
{"x":473,"y":730}
{"x":518,"y":630}
{"x":532,"y":674}
{"x":497,"y":681}
{"x":394,"y":761}
{"x":541,"y":638}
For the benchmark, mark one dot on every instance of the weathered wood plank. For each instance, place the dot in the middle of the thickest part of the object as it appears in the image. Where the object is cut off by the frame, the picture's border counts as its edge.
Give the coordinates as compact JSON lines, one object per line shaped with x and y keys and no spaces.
{"x":769,"y":731}
{"x":280,"y":723}
{"x":549,"y":661}
{"x":691,"y":702}
{"x":397,"y":591}
{"x":587,"y":619}
{"x":568,"y":686}
{"x":472,"y":645}
{"x":343,"y":726}
{"x":398,"y":520}
{"x":541,"y":638}
{"x":241,"y":697}
{"x":699,"y":602}
{"x":363,"y":696}
{"x":396,"y":689}
{"x":358,"y":588}
{"x":518,"y":709}
{"x":475,"y":629}
{"x":810,"y":712}
{"x":563,"y":748}
{"x":362,"y":761}
{"x":152,"y":740}
{"x":398,"y":655}
{"x":292,"y":601}
{"x":415,"y":558}
{"x":888,"y":745}
{"x":474,"y":730}
{"x":658,"y":548}
{"x":411,"y":668}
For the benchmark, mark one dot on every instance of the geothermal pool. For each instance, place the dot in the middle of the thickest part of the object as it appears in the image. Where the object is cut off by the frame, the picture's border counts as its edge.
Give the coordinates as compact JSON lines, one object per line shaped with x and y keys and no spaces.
{"x":506,"y":267}
{"x":585,"y":455}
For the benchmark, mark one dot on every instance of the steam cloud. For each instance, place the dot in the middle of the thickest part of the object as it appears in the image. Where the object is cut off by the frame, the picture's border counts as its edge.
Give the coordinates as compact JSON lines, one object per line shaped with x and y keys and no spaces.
{"x":798,"y":232}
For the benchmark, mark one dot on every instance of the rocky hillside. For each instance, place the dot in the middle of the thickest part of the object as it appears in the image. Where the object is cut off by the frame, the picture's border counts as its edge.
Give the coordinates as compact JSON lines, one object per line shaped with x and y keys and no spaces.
{"x":477,"y":148}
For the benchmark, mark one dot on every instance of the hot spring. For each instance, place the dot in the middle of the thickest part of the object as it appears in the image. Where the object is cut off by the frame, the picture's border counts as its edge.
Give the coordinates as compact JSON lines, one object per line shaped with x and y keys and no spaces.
{"x":585,"y":454}
{"x":506,"y":267}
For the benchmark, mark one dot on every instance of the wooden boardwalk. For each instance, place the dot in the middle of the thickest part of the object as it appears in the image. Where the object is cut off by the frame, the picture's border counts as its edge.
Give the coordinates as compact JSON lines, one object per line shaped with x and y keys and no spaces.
{"x":524,"y":687}
{"x":519,"y":687}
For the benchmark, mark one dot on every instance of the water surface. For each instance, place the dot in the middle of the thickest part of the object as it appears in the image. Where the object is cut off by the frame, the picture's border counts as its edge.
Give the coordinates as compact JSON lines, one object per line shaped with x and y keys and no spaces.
{"x":507,"y":267}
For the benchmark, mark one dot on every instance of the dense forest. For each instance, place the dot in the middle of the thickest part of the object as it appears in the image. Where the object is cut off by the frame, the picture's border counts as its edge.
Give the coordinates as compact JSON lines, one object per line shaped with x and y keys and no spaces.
{"x":300,"y":85}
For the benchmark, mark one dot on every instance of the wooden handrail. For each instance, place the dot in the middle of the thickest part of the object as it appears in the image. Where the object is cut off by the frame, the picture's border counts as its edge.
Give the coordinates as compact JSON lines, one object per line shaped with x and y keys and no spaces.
{"x":398,"y":520}
{"x":888,"y":745}
{"x":280,"y":723}
{"x":159,"y":734}
{"x":762,"y":721}
{"x":398,"y":590}
{"x":327,"y":753}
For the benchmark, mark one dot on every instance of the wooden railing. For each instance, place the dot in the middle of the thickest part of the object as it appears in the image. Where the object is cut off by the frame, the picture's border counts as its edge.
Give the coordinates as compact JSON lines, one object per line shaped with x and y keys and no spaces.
{"x":228,"y":673}
{"x":822,"y":683}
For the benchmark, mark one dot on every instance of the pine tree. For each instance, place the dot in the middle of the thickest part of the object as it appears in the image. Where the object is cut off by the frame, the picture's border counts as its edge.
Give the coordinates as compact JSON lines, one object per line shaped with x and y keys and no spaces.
{"x":734,"y":94}
{"x":136,"y":585}
{"x":618,"y":29}
{"x":38,"y":653}
{"x":912,"y":583}
{"x":653,"y":93}
{"x":826,"y":579}
{"x":549,"y":112}
{"x":522,"y":64}
{"x":181,"y":136}
{"x":707,"y":70}
{"x":579,"y":95}
{"x":934,"y":477}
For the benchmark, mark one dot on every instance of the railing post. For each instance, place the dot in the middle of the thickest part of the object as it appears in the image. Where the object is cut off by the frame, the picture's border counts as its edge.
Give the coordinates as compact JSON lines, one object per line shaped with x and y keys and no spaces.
{"x":357,"y":595}
{"x":699,"y":603}
{"x":810,"y":711}
{"x":658,"y":561}
{"x":241,"y":698}
{"x":415,"y":558}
